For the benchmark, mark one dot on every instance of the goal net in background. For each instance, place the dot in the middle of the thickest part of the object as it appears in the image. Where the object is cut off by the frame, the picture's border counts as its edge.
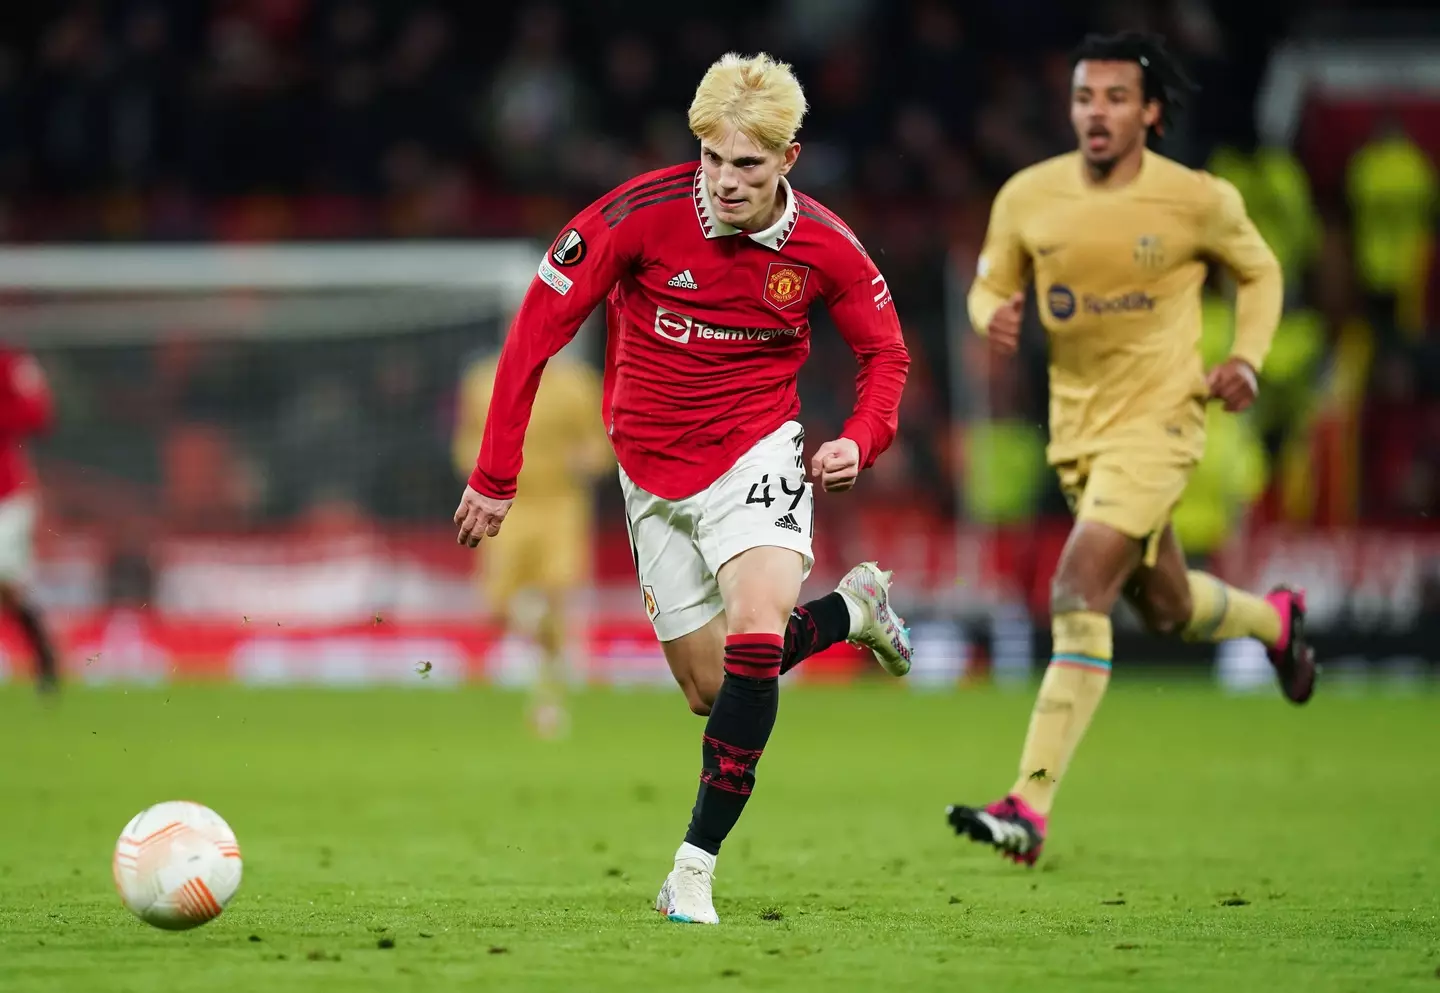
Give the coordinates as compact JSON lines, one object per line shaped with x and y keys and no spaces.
{"x":251,"y":471}
{"x":252,"y":477}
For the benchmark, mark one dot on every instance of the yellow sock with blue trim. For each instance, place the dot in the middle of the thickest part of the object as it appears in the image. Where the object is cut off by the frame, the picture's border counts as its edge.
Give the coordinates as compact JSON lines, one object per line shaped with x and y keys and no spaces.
{"x":1220,"y":612}
{"x":1070,"y":693}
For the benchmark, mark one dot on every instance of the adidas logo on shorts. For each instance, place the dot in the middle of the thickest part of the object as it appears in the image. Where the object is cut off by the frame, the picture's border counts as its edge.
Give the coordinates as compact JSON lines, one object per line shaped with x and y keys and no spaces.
{"x":789,"y":523}
{"x":683,"y":281}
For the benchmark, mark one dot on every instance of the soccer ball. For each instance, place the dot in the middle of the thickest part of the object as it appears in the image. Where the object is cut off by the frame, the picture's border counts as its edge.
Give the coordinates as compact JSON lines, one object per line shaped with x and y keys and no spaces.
{"x":176,"y":865}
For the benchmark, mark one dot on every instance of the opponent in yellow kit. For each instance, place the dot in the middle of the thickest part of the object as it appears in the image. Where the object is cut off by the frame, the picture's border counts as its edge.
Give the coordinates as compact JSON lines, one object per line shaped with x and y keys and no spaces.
{"x":1118,"y":274}
{"x":1117,"y":240}
{"x":530,"y":571}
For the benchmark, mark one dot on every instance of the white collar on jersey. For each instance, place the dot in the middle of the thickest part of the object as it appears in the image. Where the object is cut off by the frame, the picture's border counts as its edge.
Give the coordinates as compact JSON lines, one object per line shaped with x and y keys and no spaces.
{"x":773,"y":237}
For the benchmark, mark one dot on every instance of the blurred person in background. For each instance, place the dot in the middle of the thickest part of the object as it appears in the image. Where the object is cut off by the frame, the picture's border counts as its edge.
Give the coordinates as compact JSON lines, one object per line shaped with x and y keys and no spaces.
{"x":26,"y":409}
{"x":531,"y":572}
{"x":1116,"y":239}
{"x":1394,"y":192}
{"x":1276,"y":190}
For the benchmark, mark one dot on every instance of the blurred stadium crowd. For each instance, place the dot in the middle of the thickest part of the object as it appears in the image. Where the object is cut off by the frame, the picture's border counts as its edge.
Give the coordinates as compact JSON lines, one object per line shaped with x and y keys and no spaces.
{"x":259,"y":120}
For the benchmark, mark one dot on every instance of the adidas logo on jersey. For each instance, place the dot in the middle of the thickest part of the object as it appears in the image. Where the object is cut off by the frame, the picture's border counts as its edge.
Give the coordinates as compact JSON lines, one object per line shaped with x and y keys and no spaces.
{"x":683,"y":281}
{"x":789,"y":523}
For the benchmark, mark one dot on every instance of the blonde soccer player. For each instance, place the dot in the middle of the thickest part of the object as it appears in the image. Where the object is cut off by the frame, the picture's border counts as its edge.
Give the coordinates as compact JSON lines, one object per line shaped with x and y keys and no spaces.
{"x":709,"y":270}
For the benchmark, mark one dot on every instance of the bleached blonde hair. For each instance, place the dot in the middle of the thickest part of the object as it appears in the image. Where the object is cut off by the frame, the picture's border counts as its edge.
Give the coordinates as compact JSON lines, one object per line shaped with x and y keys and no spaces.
{"x":758,"y":96}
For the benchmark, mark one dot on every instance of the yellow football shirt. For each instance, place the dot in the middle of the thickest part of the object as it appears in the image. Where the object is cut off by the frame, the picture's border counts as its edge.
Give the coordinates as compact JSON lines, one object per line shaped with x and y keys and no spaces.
{"x":1118,"y":275}
{"x":565,"y":445}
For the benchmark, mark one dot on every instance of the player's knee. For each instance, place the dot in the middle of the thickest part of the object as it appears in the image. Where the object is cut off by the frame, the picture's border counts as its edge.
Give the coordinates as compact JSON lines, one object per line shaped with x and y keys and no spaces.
{"x":751,"y":616}
{"x":525,"y":612}
{"x":759,"y":588}
{"x":698,"y":706}
{"x":754,"y":605}
{"x":1070,"y":587}
{"x":1067,"y":596}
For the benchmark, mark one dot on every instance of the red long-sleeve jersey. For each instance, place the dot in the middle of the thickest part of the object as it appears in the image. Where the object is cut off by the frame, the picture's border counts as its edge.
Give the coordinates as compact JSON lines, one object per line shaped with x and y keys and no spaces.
{"x":25,"y":409}
{"x":708,"y":326}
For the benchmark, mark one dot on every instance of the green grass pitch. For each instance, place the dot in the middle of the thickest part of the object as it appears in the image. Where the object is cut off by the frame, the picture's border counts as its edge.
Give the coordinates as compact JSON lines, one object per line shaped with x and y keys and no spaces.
{"x":422,"y":841}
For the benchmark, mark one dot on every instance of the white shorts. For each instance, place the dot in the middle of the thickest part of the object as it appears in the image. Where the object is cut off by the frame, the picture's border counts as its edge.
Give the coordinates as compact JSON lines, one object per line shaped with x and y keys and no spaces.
{"x":17,"y":537}
{"x":679,"y":545}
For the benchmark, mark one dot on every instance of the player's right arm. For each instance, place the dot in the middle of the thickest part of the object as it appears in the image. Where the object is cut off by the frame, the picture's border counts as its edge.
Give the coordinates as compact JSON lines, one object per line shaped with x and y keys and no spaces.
{"x":1232,"y":238}
{"x":997,"y":296}
{"x":581,"y":266}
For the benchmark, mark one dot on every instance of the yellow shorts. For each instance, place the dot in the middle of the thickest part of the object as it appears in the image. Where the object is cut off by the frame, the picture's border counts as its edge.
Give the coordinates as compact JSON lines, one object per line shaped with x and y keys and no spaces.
{"x":543,"y":547}
{"x":1135,"y":493}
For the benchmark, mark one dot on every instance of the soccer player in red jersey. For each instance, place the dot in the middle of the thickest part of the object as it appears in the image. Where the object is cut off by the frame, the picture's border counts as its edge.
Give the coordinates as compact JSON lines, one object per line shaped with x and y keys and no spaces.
{"x":26,"y":409}
{"x":709,"y":270}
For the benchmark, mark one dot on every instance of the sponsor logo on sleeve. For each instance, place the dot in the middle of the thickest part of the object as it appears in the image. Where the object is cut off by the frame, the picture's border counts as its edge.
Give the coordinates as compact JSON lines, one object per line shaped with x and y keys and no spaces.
{"x":554,"y":278}
{"x":882,"y":292}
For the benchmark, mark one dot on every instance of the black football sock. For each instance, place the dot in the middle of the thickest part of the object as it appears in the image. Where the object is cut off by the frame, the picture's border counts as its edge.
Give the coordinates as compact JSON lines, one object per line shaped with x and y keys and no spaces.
{"x":814,"y":627}
{"x":735,"y":734}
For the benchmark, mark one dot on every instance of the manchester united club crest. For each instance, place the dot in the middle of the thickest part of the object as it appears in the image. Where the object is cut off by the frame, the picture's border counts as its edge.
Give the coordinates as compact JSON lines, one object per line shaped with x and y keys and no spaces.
{"x":1149,"y":253}
{"x":651,"y":608}
{"x":785,"y":284}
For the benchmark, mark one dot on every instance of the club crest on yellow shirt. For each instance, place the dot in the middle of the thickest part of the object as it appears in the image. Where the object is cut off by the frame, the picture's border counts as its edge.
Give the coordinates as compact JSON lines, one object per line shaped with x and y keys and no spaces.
{"x":1149,"y":253}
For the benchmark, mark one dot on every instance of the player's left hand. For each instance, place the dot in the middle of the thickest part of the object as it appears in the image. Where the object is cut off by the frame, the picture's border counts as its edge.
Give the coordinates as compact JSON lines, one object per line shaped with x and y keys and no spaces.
{"x":479,"y":516}
{"x":1233,"y":382}
{"x":837,"y":464}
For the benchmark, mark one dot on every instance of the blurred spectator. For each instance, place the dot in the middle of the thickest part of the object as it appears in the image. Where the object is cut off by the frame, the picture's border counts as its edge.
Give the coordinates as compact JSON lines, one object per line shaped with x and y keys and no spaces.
{"x":67,"y":103}
{"x":325,"y":119}
{"x":130,"y":575}
{"x":1394,"y":197}
{"x":1277,"y":196}
{"x":146,"y":100}
{"x":1001,"y":453}
{"x":533,"y":105}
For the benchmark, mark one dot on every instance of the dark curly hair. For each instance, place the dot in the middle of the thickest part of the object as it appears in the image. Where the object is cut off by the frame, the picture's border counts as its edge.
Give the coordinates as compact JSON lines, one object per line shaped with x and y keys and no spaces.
{"x":1164,"y":78}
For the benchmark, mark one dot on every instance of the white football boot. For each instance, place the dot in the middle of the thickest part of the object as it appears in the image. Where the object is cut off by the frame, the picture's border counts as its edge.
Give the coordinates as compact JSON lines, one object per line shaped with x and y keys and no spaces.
{"x":873,"y":624}
{"x":685,"y":896}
